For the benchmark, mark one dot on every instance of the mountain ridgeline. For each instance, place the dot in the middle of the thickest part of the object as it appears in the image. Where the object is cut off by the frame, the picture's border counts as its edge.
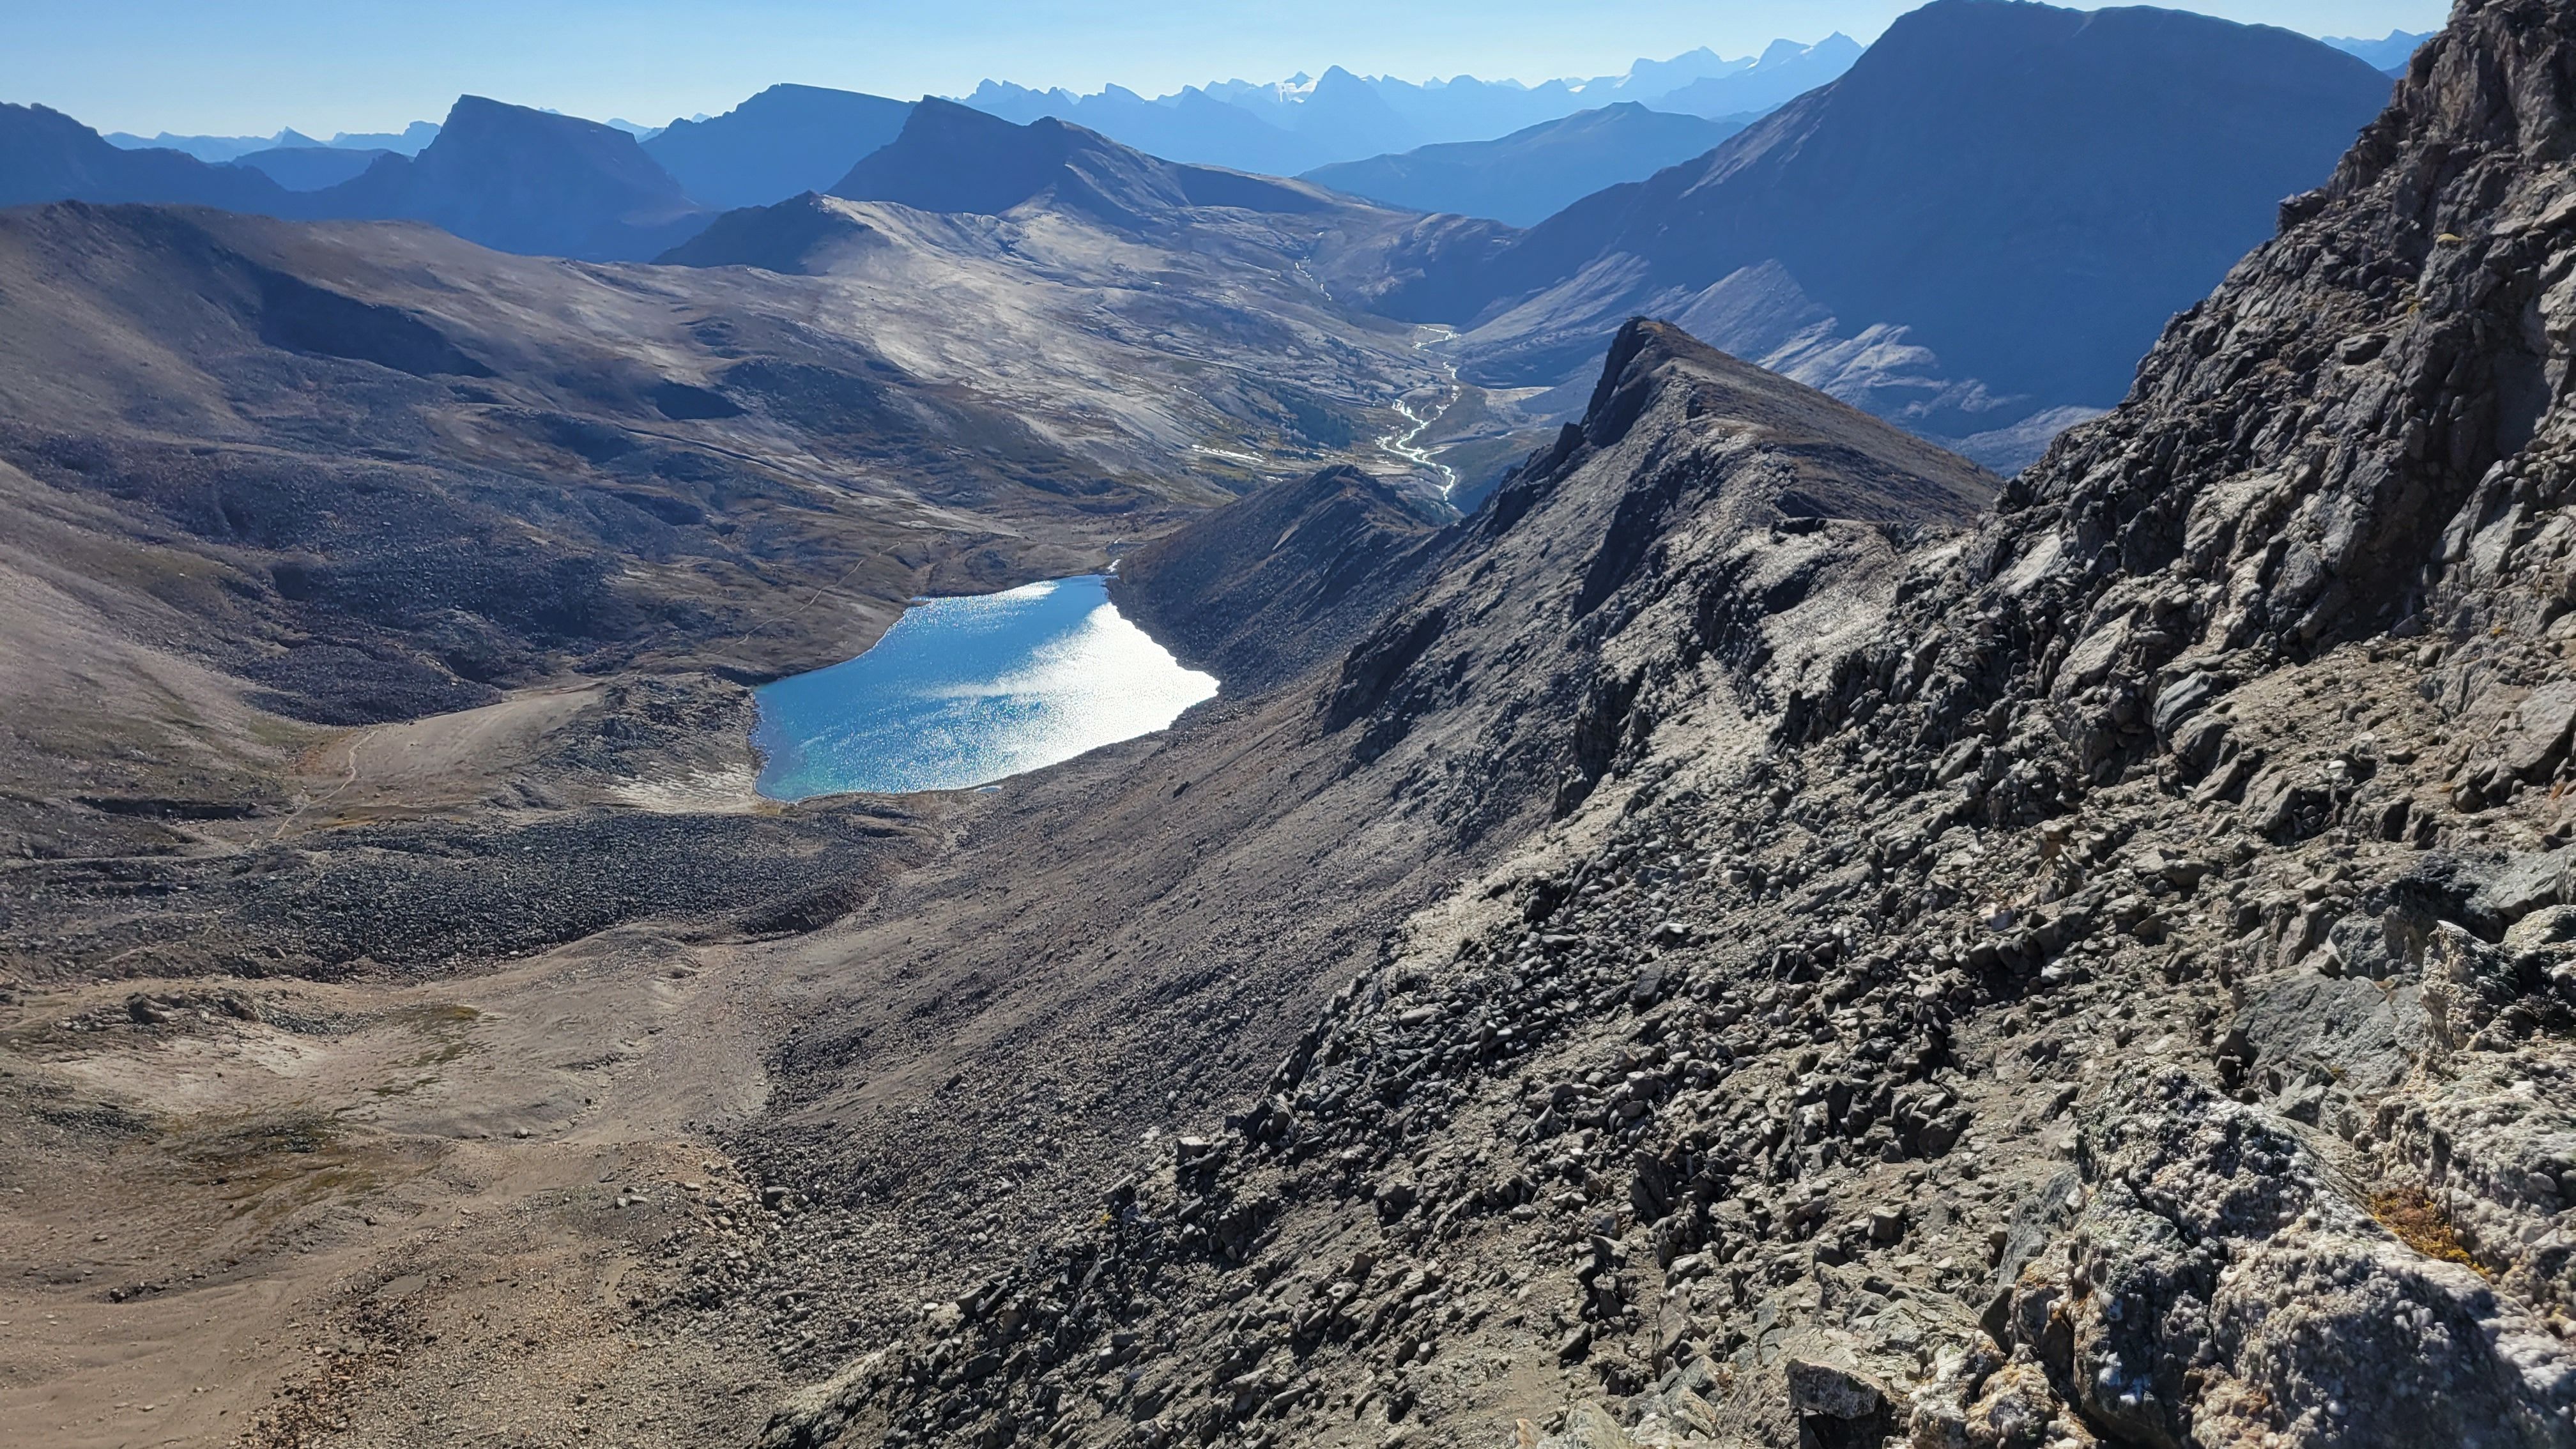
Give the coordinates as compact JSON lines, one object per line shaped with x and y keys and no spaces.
{"x":1800,"y":901}
{"x":1988,"y":218}
{"x":1531,"y":174}
{"x":782,"y":142}
{"x":1339,"y":117}
{"x":47,"y":156}
{"x":953,"y":158}
{"x":2120,"y":993}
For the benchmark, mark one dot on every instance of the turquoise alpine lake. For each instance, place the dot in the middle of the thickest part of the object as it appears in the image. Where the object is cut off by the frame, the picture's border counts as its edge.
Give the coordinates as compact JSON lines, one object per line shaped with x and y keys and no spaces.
{"x":966,"y":691}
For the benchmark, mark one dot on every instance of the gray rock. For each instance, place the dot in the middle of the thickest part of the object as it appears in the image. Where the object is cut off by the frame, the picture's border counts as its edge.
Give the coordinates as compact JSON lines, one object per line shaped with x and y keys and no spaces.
{"x":2525,"y":884}
{"x":2179,"y":700}
{"x":2220,"y":1279}
{"x":2368,"y":1036}
{"x":2541,"y":726}
{"x":1833,"y":1390}
{"x":2543,"y":928}
{"x":1588,"y":1426}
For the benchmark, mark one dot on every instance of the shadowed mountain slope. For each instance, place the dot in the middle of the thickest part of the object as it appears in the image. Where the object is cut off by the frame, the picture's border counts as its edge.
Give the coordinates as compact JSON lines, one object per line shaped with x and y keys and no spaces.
{"x":1989,"y":217}
{"x":1262,"y":591}
{"x":786,"y":140}
{"x":47,"y":156}
{"x":1531,"y":174}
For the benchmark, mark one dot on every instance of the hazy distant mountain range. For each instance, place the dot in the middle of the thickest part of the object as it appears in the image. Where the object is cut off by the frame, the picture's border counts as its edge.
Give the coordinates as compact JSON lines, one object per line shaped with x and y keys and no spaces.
{"x":1973,"y":228}
{"x":507,"y":177}
{"x":1531,"y":174}
{"x":409,"y":140}
{"x":2390,"y":52}
{"x":1280,"y":128}
{"x":1985,"y":222}
{"x":1293,"y":126}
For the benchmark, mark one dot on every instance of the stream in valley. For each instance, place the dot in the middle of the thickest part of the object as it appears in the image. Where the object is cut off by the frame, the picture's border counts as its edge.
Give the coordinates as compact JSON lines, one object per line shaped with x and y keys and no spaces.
{"x":966,"y":691}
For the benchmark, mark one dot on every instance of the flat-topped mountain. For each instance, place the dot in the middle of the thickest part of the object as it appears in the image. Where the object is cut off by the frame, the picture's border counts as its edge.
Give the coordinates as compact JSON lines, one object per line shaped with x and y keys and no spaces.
{"x":1533,"y":173}
{"x":1989,"y":217}
{"x":522,"y":180}
{"x":785,"y":140}
{"x":953,"y":158}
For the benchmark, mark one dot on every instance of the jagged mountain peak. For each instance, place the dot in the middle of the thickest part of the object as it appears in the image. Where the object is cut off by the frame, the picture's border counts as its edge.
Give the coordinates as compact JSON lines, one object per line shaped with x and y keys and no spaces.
{"x":1692,"y":475}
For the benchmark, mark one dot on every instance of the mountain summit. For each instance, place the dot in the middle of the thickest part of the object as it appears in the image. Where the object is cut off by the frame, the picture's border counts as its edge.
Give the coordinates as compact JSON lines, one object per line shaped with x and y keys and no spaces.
{"x":786,"y":140}
{"x":522,"y":180}
{"x":956,"y":158}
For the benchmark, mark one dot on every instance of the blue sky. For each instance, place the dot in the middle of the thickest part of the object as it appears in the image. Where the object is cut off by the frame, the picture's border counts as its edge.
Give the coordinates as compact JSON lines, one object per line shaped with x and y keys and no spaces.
{"x":250,"y":66}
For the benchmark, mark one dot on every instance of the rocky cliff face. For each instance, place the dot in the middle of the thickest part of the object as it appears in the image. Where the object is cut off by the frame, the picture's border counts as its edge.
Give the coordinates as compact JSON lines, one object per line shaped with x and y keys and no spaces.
{"x":2102,"y":977}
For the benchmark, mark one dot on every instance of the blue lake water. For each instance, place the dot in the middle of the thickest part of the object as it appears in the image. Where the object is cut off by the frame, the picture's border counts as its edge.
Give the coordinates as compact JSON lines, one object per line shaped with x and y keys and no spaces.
{"x":963,"y":692}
